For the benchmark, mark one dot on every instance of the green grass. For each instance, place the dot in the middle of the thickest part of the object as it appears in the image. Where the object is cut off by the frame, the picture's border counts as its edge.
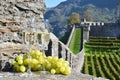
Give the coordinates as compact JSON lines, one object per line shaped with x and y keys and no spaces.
{"x":76,"y":41}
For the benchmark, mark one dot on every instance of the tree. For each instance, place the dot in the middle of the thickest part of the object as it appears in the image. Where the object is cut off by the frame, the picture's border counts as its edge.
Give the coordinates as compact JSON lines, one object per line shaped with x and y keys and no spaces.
{"x":74,"y":19}
{"x":87,"y":15}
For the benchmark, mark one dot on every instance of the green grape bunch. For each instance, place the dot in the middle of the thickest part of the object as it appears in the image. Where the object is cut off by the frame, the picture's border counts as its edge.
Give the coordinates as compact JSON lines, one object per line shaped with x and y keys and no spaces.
{"x":53,"y":65}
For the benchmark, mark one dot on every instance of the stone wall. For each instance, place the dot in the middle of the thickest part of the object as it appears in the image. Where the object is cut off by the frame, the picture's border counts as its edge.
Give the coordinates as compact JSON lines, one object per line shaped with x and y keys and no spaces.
{"x":108,"y":30}
{"x":70,"y":37}
{"x":77,"y":60}
{"x":15,"y":16}
{"x":15,"y":12}
{"x":57,"y":48}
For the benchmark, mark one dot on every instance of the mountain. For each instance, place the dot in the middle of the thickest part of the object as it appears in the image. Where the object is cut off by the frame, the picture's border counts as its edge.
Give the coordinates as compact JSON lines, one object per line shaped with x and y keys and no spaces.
{"x":101,"y":10}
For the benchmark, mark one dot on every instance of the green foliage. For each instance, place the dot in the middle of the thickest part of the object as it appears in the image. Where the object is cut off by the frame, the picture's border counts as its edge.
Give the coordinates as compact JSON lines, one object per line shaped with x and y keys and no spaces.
{"x":64,"y":39}
{"x":87,"y":15}
{"x":76,"y":41}
{"x":74,"y":19}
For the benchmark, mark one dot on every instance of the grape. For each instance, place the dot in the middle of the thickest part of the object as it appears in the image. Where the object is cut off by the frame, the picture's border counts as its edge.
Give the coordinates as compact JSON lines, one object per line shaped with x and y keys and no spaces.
{"x":22,"y":69}
{"x":40,"y":60}
{"x":27,"y":61}
{"x":32,"y":53}
{"x":20,"y":62}
{"x":34,"y":61}
{"x":67,"y":70}
{"x":41,"y":54}
{"x":38,"y":67}
{"x":34,"y":64}
{"x":62,"y":69}
{"x":49,"y":58}
{"x":38,"y":53}
{"x":13,"y":62}
{"x":52,"y":71}
{"x":55,"y":58}
{"x":64,"y":63}
{"x":19,"y":57}
{"x":37,"y":61}
{"x":57,"y":70}
{"x":25,"y":57}
{"x":61,"y":60}
{"x":16,"y":66}
{"x":46,"y":62}
{"x":53,"y":61}
{"x":59,"y":64}
{"x":33,"y":67}
{"x":48,"y":66}
{"x":54,"y":65}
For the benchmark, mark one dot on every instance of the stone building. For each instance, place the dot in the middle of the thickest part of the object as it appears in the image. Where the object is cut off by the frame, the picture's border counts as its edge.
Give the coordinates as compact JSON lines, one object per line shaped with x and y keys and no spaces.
{"x":91,"y":23}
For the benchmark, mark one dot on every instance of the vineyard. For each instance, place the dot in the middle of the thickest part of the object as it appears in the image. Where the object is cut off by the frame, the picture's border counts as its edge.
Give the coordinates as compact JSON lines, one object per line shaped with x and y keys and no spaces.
{"x":102,"y":57}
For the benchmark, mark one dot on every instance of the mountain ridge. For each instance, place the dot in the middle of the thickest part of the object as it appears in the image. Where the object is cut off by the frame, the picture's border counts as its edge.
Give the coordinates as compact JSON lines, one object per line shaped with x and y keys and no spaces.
{"x":102,"y":10}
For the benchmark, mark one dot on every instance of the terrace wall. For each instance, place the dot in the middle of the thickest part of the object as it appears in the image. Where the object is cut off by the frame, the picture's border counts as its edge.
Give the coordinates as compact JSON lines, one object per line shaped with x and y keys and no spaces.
{"x":108,"y":30}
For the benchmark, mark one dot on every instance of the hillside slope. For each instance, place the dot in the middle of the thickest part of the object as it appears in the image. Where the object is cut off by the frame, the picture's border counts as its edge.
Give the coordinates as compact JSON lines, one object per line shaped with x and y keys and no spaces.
{"x":101,"y":10}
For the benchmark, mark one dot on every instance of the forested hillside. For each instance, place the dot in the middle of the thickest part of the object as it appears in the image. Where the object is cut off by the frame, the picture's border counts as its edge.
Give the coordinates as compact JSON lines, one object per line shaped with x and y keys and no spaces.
{"x":100,"y":10}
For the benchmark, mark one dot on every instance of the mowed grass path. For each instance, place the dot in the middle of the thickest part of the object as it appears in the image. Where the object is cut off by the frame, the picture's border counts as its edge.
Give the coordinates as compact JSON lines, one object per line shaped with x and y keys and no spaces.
{"x":75,"y":44}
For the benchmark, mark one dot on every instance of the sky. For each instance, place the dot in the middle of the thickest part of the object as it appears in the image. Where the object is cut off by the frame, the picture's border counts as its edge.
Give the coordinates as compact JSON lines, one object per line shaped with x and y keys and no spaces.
{"x":52,"y":3}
